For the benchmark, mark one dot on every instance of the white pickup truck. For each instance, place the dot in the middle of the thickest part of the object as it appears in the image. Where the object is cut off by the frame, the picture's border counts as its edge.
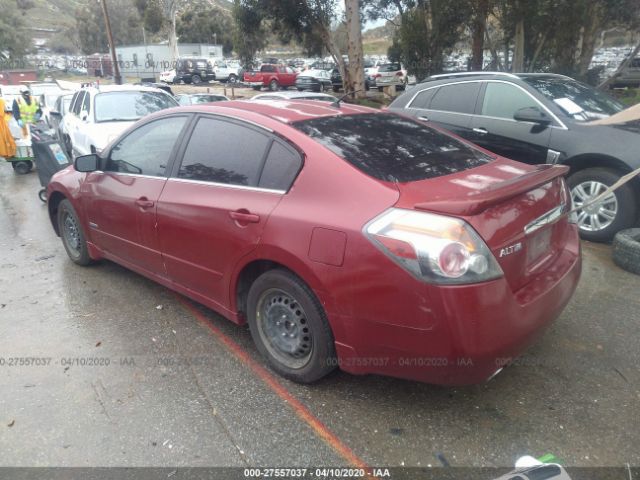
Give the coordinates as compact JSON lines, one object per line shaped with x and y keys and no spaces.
{"x":226,"y":71}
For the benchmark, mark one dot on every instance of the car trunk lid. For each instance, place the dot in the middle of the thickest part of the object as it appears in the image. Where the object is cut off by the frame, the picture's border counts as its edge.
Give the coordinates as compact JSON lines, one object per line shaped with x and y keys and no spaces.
{"x":517,"y":210}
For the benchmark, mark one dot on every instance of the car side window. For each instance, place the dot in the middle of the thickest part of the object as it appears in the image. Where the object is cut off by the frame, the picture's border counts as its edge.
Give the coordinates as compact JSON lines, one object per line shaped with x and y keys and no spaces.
{"x":86,"y":104}
{"x":456,"y":98}
{"x":281,"y":167}
{"x":147,"y":150}
{"x":220,"y":151}
{"x":503,"y":100}
{"x":423,"y":99}
{"x":79,"y":102}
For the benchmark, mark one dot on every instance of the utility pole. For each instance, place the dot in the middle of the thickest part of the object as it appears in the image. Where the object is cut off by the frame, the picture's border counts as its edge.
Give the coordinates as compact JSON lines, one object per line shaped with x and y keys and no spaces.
{"x":114,"y":60}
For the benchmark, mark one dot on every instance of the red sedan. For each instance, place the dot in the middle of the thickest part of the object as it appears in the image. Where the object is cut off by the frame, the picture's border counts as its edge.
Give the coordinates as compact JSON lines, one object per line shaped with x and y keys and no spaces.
{"x":343,"y":235}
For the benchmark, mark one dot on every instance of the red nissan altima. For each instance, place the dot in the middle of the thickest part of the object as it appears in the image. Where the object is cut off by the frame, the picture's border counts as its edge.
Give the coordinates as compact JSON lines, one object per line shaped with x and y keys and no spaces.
{"x":344,"y":236}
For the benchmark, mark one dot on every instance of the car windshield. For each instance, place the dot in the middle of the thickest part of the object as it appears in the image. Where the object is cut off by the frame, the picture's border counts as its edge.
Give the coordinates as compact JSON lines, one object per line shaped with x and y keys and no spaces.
{"x":576,"y":99}
{"x":392,"y":148}
{"x":130,"y":106}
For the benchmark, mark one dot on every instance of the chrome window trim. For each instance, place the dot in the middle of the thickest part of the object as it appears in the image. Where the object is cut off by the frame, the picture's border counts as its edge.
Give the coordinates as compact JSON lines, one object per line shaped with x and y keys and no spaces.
{"x":159,"y":177}
{"x":228,"y":185}
{"x":560,"y":125}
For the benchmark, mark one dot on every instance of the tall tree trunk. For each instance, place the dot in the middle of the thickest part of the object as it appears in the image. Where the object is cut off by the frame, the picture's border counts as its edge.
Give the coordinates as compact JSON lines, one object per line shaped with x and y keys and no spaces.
{"x":354,"y":49}
{"x":494,"y":52}
{"x":518,"y":51}
{"x":538,"y":51}
{"x":590,"y":35}
{"x":479,"y":27}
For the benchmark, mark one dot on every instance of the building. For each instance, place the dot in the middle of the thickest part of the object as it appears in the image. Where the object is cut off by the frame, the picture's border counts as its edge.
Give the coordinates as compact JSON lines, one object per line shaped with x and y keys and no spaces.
{"x":14,"y":77}
{"x":147,"y":61}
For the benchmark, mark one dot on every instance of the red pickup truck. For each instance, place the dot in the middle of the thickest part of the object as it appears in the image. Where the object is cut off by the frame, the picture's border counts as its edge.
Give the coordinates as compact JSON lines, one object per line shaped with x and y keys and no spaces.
{"x":272,"y":76}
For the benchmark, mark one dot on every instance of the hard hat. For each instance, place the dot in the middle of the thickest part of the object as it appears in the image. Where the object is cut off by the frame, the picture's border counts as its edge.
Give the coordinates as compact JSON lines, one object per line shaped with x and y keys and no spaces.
{"x":24,"y":89}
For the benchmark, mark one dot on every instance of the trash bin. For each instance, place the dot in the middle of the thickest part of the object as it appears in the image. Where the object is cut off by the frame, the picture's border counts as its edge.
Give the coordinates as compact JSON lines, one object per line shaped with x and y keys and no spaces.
{"x":49,"y":156}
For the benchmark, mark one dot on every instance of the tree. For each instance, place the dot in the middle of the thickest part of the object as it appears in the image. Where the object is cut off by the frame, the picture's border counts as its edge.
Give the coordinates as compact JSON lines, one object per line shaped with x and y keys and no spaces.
{"x":199,"y":25}
{"x":308,"y":22}
{"x":427,"y":30}
{"x":125,"y":24}
{"x":14,"y":41}
{"x":480,"y":10}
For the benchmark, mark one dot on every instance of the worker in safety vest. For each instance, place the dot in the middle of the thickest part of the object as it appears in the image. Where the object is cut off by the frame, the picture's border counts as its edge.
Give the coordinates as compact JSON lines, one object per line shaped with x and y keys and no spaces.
{"x":26,"y":109}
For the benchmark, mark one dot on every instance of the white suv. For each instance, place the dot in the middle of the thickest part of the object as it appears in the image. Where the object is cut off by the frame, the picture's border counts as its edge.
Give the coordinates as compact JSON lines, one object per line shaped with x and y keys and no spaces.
{"x":99,"y":114}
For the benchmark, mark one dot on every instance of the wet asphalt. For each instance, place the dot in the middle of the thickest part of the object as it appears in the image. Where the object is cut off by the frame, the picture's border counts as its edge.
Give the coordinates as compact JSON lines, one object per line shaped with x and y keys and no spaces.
{"x":102,"y":367}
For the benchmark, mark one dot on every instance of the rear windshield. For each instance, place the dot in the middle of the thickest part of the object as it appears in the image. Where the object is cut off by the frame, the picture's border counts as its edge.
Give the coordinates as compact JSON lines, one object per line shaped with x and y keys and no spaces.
{"x":392,"y":148}
{"x":389,"y":67}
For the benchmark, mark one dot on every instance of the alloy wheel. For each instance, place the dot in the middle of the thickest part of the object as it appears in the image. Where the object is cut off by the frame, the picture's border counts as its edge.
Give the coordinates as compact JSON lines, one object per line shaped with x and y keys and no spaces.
{"x":598,"y":216}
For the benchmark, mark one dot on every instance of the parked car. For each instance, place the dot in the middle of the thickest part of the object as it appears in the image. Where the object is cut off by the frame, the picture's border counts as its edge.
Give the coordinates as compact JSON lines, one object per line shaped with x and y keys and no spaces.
{"x":336,"y":81}
{"x":197,"y":98}
{"x":161,"y":86}
{"x":340,"y":234}
{"x":315,"y":80}
{"x":227,"y":71}
{"x":629,"y":76}
{"x":294,"y":95}
{"x":271,"y":76}
{"x":391,"y":74}
{"x":193,"y":70}
{"x":541,"y":118}
{"x":57,"y":113}
{"x":99,"y":114}
{"x":168,"y":76}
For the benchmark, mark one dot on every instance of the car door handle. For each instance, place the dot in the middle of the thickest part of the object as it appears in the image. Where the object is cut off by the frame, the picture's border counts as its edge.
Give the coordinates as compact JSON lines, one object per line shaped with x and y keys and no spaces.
{"x":244,"y":216}
{"x":481,"y":131}
{"x":423,"y":118}
{"x":144,"y":202}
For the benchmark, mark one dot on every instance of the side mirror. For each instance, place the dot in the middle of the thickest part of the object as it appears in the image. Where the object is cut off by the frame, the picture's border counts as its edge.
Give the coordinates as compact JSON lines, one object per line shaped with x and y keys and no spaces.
{"x":84,"y":116}
{"x":87,"y":163}
{"x":532,"y":115}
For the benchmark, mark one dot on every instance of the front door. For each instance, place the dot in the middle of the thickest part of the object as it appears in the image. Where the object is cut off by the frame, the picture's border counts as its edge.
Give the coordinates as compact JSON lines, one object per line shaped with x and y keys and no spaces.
{"x":496,"y":130}
{"x":122,"y":200}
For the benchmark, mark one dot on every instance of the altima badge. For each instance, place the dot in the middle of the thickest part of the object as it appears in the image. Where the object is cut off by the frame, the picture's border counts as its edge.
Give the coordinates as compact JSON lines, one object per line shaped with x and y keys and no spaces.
{"x":511,"y":249}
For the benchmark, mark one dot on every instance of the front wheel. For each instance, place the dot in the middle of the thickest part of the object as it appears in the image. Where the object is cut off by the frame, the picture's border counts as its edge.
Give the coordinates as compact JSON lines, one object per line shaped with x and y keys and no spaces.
{"x":22,"y":167}
{"x":289,"y":327}
{"x":617,"y":211}
{"x":196,"y":80}
{"x":273,"y":85}
{"x":73,"y":238}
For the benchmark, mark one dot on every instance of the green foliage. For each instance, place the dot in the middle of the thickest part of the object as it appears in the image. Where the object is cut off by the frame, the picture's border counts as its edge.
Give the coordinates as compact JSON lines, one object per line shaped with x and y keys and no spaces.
{"x":14,"y":41}
{"x":426,"y":32}
{"x":125,"y":25}
{"x":199,"y":24}
{"x":153,"y":16}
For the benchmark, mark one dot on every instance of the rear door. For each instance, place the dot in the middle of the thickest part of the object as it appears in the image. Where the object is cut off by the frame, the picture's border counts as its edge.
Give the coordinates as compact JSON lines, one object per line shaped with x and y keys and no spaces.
{"x":218,"y":200}
{"x":121,"y":201}
{"x":495,"y":128}
{"x":450,"y":106}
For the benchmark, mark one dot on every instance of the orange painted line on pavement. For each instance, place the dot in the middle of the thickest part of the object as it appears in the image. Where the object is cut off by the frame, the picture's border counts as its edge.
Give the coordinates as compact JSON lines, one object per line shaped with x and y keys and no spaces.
{"x":267,"y":377}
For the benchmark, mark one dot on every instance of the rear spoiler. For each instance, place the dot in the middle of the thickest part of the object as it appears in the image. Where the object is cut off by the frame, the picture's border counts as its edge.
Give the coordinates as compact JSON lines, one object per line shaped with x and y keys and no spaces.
{"x":478,"y":202}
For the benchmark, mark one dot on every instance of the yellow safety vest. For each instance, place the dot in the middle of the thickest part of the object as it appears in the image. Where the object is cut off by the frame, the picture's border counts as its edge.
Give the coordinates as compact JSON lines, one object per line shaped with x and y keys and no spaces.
{"x":28,"y":112}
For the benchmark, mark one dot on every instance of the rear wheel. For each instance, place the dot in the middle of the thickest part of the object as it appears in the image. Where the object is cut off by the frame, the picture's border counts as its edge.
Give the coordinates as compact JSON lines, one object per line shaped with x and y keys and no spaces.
{"x":196,"y":80}
{"x":273,"y":85}
{"x":289,"y":327}
{"x":73,"y":237}
{"x":232,"y":78}
{"x":22,"y":167}
{"x":42,"y":195}
{"x":617,"y":211}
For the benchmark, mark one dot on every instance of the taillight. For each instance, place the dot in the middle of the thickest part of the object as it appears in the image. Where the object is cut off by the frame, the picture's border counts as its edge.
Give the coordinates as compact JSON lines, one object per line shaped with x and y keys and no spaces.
{"x":399,"y":74}
{"x":434,"y":248}
{"x":377,"y":75}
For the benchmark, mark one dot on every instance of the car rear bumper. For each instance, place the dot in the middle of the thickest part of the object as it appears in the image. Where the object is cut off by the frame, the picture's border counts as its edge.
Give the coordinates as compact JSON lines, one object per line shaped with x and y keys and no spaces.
{"x":254,"y":84}
{"x":460,"y":335}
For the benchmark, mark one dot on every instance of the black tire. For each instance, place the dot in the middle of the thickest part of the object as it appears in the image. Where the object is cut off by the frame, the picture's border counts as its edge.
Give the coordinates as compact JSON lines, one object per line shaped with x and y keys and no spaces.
{"x":42,"y":195}
{"x":336,"y":89}
{"x":273,"y":85}
{"x":196,"y":80}
{"x":232,"y":78}
{"x":257,"y":88}
{"x":271,"y":291}
{"x":626,"y":250}
{"x":22,"y":167}
{"x":625,"y":197}
{"x":76,"y":247}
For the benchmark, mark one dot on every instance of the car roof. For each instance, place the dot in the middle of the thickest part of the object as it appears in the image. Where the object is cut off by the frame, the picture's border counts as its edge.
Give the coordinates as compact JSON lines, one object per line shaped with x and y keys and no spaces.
{"x":489,"y":75}
{"x":284,"y":111}
{"x":121,"y":88}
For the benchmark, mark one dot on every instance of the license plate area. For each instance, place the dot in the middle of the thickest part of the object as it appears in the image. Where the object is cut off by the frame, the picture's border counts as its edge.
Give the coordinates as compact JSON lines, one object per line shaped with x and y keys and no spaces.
{"x":539,"y":247}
